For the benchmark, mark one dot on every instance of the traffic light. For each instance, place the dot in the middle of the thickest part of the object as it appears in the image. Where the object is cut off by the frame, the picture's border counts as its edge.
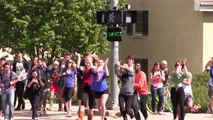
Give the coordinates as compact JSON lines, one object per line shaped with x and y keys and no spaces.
{"x":101,"y":17}
{"x":114,"y":34}
{"x":114,"y":17}
{"x":129,"y":17}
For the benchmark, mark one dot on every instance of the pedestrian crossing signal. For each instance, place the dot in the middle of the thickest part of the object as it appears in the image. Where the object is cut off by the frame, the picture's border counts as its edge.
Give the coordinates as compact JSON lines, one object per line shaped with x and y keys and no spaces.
{"x":114,"y":34}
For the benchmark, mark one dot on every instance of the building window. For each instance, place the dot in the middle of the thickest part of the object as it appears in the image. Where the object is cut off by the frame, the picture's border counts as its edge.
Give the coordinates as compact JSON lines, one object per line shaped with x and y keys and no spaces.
{"x":138,"y":25}
{"x":141,"y":26}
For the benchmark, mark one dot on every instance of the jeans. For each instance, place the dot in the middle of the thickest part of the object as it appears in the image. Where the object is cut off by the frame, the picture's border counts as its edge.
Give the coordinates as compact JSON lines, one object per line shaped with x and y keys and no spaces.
{"x":8,"y":103}
{"x":160,"y":92}
{"x":44,"y":92}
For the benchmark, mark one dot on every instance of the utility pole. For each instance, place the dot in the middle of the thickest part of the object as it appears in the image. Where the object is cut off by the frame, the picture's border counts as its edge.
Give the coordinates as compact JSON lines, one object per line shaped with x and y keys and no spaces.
{"x":114,"y":55}
{"x":115,"y":18}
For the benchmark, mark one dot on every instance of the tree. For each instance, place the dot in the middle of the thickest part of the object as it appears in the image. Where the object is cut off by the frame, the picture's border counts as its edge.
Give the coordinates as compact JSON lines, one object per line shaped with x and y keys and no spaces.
{"x":47,"y":28}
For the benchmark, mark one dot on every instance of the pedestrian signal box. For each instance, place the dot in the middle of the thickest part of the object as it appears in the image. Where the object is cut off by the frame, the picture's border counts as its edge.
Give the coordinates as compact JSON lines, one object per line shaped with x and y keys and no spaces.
{"x":114,"y":34}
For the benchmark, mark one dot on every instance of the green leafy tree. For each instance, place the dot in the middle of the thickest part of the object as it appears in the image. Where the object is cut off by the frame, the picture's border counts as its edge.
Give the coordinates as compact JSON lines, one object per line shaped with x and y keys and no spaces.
{"x":47,"y":28}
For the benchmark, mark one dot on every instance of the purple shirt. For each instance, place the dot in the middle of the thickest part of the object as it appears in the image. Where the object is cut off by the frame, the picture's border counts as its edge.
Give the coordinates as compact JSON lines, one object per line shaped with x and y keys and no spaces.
{"x":99,"y":83}
{"x":6,"y":78}
{"x":70,"y":77}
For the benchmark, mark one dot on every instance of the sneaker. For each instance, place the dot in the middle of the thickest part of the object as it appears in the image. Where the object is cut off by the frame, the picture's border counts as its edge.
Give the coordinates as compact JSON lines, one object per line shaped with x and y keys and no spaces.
{"x":18,"y":108}
{"x":131,"y":114}
{"x":154,"y":113}
{"x":118,"y":114}
{"x":69,"y":114}
{"x":35,"y":118}
{"x":23,"y":106}
{"x":11,"y":119}
{"x":161,"y":113}
{"x":60,"y":109}
{"x":185,"y":118}
{"x":39,"y":113}
{"x":44,"y":111}
{"x":49,"y":109}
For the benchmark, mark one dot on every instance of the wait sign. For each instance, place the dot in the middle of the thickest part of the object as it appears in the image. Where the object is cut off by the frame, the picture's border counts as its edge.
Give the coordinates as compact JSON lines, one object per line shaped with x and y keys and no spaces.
{"x":114,"y":33}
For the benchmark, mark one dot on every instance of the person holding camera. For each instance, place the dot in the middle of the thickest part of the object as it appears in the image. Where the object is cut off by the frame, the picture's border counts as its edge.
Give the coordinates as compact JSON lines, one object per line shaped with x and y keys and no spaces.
{"x":157,"y":78}
{"x":34,"y":86}
{"x":177,"y":91}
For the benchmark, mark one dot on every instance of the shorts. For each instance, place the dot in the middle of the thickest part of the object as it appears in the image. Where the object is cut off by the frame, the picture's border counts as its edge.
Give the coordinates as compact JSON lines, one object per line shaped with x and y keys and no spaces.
{"x":188,"y":98}
{"x":210,"y":91}
{"x":68,"y":93}
{"x":55,"y":88}
{"x":98,"y":95}
{"x":79,"y":91}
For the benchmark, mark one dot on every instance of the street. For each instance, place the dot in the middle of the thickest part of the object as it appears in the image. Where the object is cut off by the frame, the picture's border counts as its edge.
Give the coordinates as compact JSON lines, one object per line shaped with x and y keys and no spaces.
{"x":56,"y":115}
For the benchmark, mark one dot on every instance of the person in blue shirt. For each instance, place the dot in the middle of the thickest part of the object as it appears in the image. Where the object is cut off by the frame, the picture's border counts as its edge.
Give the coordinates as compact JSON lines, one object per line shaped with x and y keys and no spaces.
{"x":100,"y":87}
{"x":69,"y":73}
{"x":209,"y":67}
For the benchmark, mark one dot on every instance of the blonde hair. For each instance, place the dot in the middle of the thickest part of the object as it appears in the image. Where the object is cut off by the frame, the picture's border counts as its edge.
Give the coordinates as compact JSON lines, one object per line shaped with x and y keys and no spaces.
{"x":55,"y":62}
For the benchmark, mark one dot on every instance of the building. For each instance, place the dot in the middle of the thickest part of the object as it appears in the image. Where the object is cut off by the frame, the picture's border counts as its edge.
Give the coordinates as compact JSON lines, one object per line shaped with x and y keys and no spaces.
{"x":177,"y":29}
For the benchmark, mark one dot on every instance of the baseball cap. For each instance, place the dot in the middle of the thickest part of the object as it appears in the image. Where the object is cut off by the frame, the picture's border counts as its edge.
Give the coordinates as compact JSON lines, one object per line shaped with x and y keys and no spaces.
{"x":164,"y":62}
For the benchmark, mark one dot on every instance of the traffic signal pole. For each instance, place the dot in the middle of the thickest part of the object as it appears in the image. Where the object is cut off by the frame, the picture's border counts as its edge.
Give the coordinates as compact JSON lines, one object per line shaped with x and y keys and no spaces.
{"x":114,"y":55}
{"x":115,"y":18}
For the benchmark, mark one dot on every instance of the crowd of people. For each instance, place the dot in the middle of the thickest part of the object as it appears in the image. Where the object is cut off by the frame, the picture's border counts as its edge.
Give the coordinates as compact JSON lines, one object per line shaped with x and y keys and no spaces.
{"x":134,"y":85}
{"x":88,"y":75}
{"x":33,"y":81}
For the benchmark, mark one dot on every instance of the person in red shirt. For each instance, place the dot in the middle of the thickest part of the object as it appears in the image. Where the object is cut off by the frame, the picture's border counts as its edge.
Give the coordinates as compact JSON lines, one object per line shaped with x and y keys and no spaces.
{"x":141,"y":88}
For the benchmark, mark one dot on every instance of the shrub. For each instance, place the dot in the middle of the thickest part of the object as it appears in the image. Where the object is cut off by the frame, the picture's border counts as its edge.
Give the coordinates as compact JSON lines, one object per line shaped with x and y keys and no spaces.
{"x":200,"y":90}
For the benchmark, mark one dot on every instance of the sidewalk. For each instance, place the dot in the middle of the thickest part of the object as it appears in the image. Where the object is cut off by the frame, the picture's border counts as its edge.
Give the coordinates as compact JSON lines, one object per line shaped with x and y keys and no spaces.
{"x":56,"y":115}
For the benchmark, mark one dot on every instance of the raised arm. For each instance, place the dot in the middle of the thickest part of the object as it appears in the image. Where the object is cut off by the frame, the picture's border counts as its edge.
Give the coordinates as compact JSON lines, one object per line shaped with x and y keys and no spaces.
{"x":106,"y":67}
{"x":78,"y":60}
{"x":209,"y":63}
{"x":184,"y":66}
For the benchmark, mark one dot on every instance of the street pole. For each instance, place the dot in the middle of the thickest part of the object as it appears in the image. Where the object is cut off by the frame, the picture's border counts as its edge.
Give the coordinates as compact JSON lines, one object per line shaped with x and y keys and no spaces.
{"x":114,"y":55}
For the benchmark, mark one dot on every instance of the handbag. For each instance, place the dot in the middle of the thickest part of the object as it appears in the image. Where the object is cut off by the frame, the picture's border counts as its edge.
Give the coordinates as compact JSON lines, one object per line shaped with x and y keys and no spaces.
{"x":60,"y":82}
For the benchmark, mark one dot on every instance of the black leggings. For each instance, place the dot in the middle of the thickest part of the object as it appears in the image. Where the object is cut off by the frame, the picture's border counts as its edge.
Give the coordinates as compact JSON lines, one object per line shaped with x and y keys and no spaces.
{"x":125,"y":104}
{"x":34,"y":101}
{"x":178,"y":98}
{"x":1,"y":104}
{"x":87,"y":93}
{"x":68,"y":93}
{"x":135,"y":106}
{"x":19,"y":93}
{"x":144,"y":99}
